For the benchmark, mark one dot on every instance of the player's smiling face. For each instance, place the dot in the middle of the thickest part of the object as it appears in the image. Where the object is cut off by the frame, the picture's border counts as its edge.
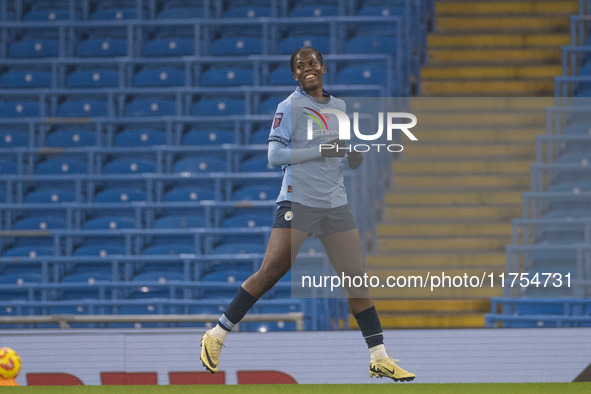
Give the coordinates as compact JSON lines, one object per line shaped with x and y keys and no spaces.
{"x":309,"y":71}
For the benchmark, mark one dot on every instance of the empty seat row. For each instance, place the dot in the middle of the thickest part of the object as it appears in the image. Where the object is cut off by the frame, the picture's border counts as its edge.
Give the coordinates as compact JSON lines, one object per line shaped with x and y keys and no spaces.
{"x":132,"y":136}
{"x":39,"y":11}
{"x":153,"y":76}
{"x":180,"y":46}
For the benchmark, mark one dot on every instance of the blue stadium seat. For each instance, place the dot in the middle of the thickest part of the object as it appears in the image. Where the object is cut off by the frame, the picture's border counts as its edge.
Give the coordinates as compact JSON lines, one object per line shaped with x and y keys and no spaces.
{"x":158,"y":276}
{"x":93,"y":79}
{"x":576,"y":154}
{"x":159,"y":77}
{"x":176,"y":46}
{"x":208,"y":137}
{"x":260,"y":137}
{"x":102,"y":47}
{"x":144,"y":137}
{"x":258,"y":164}
{"x":307,"y":11}
{"x":16,"y":279}
{"x":82,"y":108}
{"x":229,"y":276}
{"x":51,"y":15}
{"x":246,"y":11}
{"x":32,"y":251}
{"x":120,"y":194}
{"x":582,"y":128}
{"x":288,"y":45}
{"x":385,"y":10}
{"x":249,"y":220}
{"x":19,"y":279}
{"x":312,"y":245}
{"x":233,"y":277}
{"x":269,"y":106}
{"x":233,"y":46}
{"x":181,"y":12}
{"x":169,"y":249}
{"x":71,"y":138}
{"x":7,"y":16}
{"x":61,"y":166}
{"x":7,"y":167}
{"x":86,"y":277}
{"x":227,"y":77}
{"x":194,"y":193}
{"x":103,"y":249}
{"x":25,"y":79}
{"x":198,"y":165}
{"x":239,"y":248}
{"x":281,"y":76}
{"x":372,"y":44}
{"x":180,"y":221}
{"x":559,"y":235}
{"x":150,"y":107}
{"x":21,"y":109}
{"x":264,"y":326}
{"x":364,"y":74}
{"x":13,"y":139}
{"x":50,"y":196}
{"x":88,"y":289}
{"x":129,"y":166}
{"x":109,"y":223}
{"x":114,"y":14}
{"x":34,"y":48}
{"x":41,"y":222}
{"x":256,"y":192}
{"x":218,"y":107}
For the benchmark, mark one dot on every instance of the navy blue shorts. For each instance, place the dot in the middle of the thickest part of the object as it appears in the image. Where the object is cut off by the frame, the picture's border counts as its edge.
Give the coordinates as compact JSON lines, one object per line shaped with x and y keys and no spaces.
{"x":315,"y":221}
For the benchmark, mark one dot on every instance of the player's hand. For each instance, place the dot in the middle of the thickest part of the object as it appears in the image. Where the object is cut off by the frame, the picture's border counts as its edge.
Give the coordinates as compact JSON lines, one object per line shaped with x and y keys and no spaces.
{"x":336,"y":150}
{"x":354,"y":159}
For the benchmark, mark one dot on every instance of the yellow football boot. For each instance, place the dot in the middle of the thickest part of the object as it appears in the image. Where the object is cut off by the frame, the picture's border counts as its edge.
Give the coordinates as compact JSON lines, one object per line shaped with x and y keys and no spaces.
{"x":210,"y":352}
{"x":386,"y":367}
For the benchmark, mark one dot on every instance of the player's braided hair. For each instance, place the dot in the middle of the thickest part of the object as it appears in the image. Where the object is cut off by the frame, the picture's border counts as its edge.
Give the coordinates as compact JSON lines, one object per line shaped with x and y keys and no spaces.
{"x":303,"y":49}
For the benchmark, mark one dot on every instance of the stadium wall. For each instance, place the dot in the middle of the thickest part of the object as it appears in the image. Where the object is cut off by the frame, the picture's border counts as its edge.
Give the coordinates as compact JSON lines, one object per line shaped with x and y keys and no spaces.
{"x":172,"y":356}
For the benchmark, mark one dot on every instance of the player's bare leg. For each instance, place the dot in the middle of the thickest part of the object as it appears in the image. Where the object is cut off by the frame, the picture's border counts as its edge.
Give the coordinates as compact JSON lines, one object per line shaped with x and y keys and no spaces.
{"x":346,"y":256}
{"x":282,"y":249}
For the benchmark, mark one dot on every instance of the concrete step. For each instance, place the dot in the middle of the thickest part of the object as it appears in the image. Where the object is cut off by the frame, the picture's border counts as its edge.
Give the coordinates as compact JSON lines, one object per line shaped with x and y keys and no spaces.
{"x":498,"y":72}
{"x":492,"y":196}
{"x":477,"y":117}
{"x":441,"y":229}
{"x":433,"y":320}
{"x":448,"y":305}
{"x":450,"y":212}
{"x":489,"y":56}
{"x":440,"y":292}
{"x":420,"y":165}
{"x":437,"y":259}
{"x":453,"y":181}
{"x":486,"y":134}
{"x":480,"y":88}
{"x":514,"y":23}
{"x":496,"y":8}
{"x":484,"y":105}
{"x":518,"y":40}
{"x":467,"y":243}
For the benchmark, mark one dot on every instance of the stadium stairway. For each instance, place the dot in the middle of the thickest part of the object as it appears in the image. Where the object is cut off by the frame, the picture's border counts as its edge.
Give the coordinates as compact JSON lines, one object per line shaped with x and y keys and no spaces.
{"x":496,"y":48}
{"x":456,"y":190}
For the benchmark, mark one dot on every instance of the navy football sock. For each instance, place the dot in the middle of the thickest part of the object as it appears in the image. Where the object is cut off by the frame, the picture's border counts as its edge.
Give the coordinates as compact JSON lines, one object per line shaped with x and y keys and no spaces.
{"x":370,"y":326}
{"x":241,"y":303}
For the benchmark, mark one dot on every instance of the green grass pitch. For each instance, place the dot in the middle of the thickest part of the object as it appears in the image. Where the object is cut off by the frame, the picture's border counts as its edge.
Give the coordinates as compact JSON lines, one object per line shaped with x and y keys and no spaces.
{"x":413,"y":388}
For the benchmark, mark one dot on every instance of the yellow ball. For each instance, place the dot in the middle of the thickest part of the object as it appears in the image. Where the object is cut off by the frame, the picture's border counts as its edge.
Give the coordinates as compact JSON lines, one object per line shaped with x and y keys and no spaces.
{"x":10,"y":363}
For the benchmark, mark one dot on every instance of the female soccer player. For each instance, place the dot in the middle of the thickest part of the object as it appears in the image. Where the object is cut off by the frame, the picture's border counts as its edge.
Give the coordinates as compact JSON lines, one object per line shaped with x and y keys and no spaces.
{"x":312,"y":201}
